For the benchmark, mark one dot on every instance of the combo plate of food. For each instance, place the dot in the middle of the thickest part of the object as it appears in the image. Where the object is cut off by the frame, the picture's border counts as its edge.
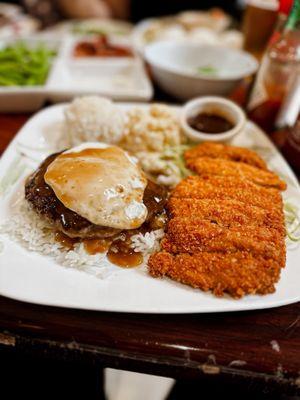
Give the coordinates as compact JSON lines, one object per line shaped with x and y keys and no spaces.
{"x":110,"y":207}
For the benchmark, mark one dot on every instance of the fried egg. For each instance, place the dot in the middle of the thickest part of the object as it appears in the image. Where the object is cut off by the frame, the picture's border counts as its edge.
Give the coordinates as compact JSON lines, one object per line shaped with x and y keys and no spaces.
{"x":100,"y":182}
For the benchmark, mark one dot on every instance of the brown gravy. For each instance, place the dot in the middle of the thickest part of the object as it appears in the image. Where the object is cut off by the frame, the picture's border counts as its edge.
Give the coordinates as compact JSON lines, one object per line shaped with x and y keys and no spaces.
{"x":119,"y":251}
{"x":95,"y":246}
{"x":66,"y":241}
{"x":125,"y":260}
{"x":210,"y":123}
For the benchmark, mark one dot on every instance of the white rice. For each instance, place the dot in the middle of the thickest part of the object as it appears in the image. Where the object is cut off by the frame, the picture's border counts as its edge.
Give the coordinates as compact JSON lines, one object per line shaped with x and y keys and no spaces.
{"x":93,"y":119}
{"x":147,"y":243}
{"x":35,"y":234}
{"x":145,"y":132}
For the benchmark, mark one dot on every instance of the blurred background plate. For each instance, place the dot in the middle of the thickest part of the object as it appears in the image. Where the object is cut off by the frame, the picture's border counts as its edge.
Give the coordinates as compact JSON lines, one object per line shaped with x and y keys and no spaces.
{"x":93,"y":26}
{"x":187,"y":70}
{"x":203,"y":27}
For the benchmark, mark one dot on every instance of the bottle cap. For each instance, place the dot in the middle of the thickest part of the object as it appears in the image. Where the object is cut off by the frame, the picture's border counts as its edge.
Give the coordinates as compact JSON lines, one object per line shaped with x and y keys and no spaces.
{"x":285,"y":6}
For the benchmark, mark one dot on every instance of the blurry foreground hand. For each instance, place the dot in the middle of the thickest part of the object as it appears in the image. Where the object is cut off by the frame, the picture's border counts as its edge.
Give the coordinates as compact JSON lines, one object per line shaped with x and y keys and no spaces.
{"x":84,"y":8}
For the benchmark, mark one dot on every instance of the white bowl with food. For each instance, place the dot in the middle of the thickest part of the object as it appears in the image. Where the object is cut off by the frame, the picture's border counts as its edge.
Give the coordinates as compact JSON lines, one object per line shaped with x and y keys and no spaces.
{"x":212,"y":118}
{"x":186,"y":70}
{"x":202,"y":26}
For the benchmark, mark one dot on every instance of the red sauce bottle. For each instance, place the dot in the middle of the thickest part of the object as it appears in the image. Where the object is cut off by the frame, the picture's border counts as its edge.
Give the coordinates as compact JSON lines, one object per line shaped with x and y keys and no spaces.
{"x":287,"y":136}
{"x":279,"y":68}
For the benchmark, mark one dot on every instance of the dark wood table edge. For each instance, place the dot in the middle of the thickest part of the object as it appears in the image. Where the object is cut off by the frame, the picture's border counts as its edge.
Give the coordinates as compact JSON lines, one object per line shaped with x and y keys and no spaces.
{"x":73,"y":351}
{"x":28,"y":339}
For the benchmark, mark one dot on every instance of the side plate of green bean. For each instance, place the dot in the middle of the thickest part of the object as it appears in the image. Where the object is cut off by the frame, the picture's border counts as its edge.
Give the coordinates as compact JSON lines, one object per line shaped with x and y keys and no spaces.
{"x":25,"y":65}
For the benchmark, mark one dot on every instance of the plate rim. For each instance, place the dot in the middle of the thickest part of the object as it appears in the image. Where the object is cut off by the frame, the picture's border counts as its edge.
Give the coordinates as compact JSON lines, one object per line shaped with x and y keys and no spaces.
{"x":193,"y":309}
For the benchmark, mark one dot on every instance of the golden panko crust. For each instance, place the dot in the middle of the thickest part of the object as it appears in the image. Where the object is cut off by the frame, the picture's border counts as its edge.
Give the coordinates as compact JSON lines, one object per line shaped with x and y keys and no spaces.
{"x":226,"y":230}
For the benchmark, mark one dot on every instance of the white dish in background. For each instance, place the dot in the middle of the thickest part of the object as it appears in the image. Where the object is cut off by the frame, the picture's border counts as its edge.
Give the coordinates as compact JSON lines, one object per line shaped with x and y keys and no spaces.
{"x":70,"y":42}
{"x":17,"y":24}
{"x":30,"y":277}
{"x":9,"y":10}
{"x":187,"y":70}
{"x":202,"y":27}
{"x":120,"y":78}
{"x":26,"y":98}
{"x":112,"y":27}
{"x":117,"y":78}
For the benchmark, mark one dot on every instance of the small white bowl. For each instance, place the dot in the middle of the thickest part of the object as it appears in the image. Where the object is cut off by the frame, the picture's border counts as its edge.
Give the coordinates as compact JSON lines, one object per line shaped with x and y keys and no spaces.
{"x":186,"y":70}
{"x":214,"y":105}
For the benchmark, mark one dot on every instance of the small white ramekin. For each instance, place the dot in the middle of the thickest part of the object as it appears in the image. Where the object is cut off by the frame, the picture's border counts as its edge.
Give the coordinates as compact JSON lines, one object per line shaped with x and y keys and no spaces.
{"x":215,"y":105}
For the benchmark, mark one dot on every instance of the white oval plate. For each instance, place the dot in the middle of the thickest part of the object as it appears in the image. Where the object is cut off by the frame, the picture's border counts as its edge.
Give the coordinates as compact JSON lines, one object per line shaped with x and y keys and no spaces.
{"x":34,"y":278}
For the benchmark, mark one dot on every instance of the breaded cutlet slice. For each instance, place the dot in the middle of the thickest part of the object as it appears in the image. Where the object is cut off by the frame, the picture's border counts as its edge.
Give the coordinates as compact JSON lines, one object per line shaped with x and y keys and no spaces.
{"x":218,"y":188}
{"x":225,"y":152}
{"x":226,"y":212}
{"x":192,"y":235}
{"x":237,"y":273}
{"x":226,"y":168}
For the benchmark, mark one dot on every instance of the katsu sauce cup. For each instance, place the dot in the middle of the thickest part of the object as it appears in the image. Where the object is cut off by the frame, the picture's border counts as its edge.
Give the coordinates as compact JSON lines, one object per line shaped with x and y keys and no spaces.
{"x":214,"y":106}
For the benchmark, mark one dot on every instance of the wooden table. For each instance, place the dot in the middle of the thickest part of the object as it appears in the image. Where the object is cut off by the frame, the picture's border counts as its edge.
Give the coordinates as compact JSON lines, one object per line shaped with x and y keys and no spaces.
{"x":259,"y":350}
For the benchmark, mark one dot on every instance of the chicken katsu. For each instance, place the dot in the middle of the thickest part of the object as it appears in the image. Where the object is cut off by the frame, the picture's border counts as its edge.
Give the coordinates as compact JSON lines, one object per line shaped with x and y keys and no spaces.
{"x":220,"y":212}
{"x":220,"y":188}
{"x":217,"y":167}
{"x":236,"y":273}
{"x":226,"y":230}
{"x":224,"y":152}
{"x":192,"y":235}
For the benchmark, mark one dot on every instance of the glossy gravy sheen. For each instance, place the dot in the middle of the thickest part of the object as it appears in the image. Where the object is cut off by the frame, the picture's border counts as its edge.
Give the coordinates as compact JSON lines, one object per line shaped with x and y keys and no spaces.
{"x":119,"y":251}
{"x":210,"y":123}
{"x":83,"y":182}
{"x":66,"y":241}
{"x":95,"y":246}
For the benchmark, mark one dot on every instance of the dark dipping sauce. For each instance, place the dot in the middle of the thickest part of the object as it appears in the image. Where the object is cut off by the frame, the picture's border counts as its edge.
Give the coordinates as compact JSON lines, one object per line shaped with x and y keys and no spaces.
{"x":210,"y":123}
{"x":70,"y":228}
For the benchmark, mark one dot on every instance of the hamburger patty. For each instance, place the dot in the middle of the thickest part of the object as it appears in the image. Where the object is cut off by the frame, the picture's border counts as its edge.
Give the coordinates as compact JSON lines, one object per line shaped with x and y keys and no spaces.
{"x":44,"y":201}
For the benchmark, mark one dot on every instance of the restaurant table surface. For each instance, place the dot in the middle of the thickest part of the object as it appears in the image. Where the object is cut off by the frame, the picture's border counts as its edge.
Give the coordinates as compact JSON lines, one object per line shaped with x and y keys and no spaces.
{"x":260,"y":347}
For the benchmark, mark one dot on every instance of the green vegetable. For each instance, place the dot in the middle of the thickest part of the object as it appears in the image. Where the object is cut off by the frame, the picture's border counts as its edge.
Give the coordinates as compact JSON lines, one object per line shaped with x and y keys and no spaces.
{"x":292,"y":221}
{"x":15,"y":170}
{"x":175,"y":155}
{"x":21,"y":65}
{"x":207,"y":70}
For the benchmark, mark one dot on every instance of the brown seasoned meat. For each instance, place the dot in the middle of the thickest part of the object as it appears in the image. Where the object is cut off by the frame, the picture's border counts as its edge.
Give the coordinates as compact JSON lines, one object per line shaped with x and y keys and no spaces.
{"x":44,"y":201}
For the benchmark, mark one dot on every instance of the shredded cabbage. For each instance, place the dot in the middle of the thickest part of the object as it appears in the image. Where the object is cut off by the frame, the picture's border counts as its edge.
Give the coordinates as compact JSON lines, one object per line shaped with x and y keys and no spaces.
{"x":292,"y":221}
{"x":175,"y":154}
